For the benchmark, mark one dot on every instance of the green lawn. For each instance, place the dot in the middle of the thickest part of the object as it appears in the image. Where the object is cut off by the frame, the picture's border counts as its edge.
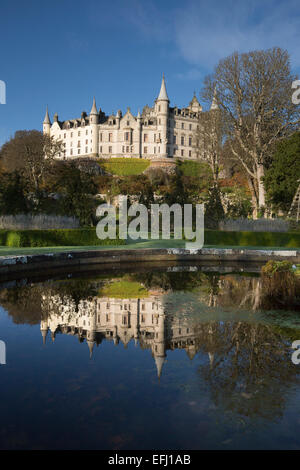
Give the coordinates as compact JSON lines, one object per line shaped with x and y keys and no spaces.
{"x":124,"y":289}
{"x":124,"y":166}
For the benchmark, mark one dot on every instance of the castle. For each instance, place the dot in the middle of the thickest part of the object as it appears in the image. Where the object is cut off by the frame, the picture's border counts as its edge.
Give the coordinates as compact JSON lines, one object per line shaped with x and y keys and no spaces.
{"x":159,"y":132}
{"x":119,"y":320}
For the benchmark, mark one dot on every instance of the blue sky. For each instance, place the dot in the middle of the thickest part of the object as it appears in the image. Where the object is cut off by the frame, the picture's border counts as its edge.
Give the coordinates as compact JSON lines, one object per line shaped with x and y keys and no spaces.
{"x":63,"y":52}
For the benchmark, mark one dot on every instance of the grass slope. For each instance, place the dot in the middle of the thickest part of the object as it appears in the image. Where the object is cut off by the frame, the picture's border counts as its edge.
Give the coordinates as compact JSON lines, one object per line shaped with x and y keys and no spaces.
{"x":124,"y":166}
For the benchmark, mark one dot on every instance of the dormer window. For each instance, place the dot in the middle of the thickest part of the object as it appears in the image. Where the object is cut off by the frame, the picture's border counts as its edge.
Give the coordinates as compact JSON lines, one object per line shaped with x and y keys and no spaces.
{"x":128,"y":123}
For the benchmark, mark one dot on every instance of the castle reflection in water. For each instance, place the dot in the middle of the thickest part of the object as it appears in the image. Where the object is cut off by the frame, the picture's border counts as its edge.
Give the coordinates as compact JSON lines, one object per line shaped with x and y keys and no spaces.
{"x":119,"y":320}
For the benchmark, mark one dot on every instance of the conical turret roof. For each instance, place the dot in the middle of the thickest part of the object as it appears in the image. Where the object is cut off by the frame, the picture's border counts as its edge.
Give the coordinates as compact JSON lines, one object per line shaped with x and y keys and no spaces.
{"x":163,"y":95}
{"x":47,"y":119}
{"x":94,"y":107}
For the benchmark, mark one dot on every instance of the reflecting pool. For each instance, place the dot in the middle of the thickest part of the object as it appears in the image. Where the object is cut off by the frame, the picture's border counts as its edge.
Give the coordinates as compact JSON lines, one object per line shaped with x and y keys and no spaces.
{"x":180,"y":358}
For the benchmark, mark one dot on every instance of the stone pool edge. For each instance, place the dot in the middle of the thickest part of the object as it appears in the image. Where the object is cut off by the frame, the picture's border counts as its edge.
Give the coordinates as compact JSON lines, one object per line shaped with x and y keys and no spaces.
{"x":19,"y":263}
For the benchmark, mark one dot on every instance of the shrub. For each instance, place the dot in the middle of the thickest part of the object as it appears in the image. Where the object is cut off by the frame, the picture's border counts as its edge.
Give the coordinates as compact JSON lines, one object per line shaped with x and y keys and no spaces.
{"x":279,"y":283}
{"x":60,"y":237}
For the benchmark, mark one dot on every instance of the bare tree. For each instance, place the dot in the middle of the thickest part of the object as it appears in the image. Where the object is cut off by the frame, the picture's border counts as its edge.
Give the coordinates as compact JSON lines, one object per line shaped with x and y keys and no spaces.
{"x":209,"y":139}
{"x":255,"y":91}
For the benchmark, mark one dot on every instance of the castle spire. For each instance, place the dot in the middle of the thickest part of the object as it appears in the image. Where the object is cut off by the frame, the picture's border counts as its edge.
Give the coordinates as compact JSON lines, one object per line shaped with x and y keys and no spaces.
{"x":163,"y":95}
{"x":94,"y":107}
{"x":214,"y":103}
{"x":91,"y":347}
{"x":47,"y":119}
{"x":159,"y":361}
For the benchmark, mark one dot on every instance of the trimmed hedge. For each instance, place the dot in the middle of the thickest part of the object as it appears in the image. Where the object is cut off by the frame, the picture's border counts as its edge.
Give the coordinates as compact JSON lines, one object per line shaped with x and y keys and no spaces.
{"x":267,"y":239}
{"x":88,"y":237}
{"x":53,"y":237}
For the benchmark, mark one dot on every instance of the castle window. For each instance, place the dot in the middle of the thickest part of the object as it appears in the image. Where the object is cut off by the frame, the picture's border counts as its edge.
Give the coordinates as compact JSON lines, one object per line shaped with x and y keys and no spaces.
{"x":154,"y":138}
{"x":100,"y":136}
{"x":145,"y":149}
{"x":190,"y":127}
{"x":154,"y":149}
{"x":128,"y":123}
{"x":145,"y":137}
{"x":110,"y":137}
{"x":127,"y":148}
{"x":71,"y":134}
{"x":159,"y":108}
{"x":182,"y":153}
{"x":190,"y":141}
{"x":78,"y":151}
{"x":109,"y":149}
{"x":190,"y":153}
{"x":127,"y":136}
{"x":159,"y":121}
{"x":86,"y":142}
{"x":100,"y":149}
{"x":78,"y":132}
{"x":86,"y":132}
{"x":182,"y":125}
{"x":65,"y":136}
{"x":71,"y":152}
{"x":86,"y":149}
{"x":182,"y":140}
{"x":78,"y":144}
{"x":123,"y":149}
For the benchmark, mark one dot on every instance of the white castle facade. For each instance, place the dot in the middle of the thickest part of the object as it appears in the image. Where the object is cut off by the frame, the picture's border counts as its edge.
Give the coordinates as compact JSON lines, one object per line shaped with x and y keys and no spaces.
{"x":159,"y":132}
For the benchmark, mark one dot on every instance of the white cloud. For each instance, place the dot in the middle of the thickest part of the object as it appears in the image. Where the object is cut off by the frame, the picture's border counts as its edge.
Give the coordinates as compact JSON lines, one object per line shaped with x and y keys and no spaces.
{"x":206,"y":32}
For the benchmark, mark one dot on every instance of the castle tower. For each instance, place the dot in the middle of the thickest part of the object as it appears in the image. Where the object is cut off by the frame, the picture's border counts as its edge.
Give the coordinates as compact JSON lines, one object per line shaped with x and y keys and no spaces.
{"x":94,"y":119}
{"x":159,"y":350}
{"x":44,"y":330}
{"x":46,"y":123}
{"x":118,"y":117}
{"x":139,"y":121}
{"x":162,"y":111}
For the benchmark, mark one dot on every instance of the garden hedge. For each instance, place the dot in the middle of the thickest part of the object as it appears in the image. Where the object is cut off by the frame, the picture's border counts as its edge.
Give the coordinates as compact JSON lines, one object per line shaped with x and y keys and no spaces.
{"x":53,"y":237}
{"x":88,"y":237}
{"x":264,"y":239}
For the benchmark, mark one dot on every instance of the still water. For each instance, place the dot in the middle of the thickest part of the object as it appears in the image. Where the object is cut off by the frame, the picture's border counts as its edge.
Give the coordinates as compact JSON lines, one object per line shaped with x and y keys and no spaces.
{"x":173,"y":359}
